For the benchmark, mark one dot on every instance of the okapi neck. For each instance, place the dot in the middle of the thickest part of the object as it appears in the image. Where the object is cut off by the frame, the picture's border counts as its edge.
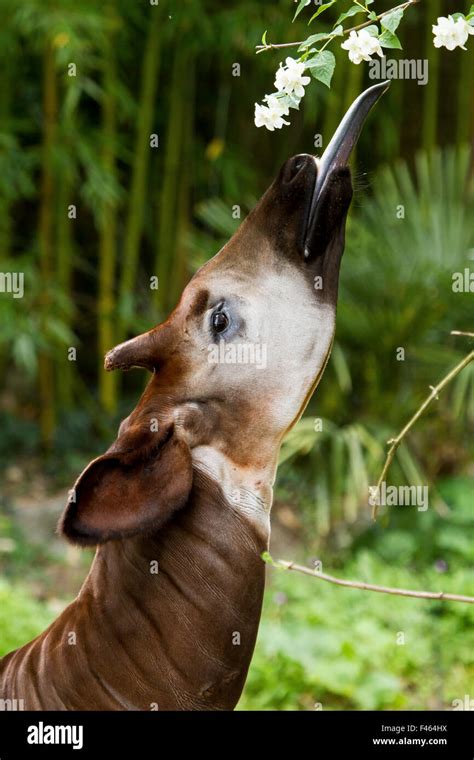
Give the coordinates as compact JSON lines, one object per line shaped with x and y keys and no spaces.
{"x":162,"y":622}
{"x":184,"y":605}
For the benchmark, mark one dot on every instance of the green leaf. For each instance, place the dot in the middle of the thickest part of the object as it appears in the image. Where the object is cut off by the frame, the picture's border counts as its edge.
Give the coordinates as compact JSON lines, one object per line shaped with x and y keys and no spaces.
{"x":347,"y":14}
{"x":322,"y":67}
{"x":373,"y":16}
{"x":314,"y":38}
{"x":321,"y":9}
{"x":24,"y":353}
{"x":341,"y":368}
{"x":373,"y":30}
{"x":302,"y":4}
{"x":392,"y":20}
{"x":337,"y":32}
{"x":264,"y":37}
{"x":389,"y":40}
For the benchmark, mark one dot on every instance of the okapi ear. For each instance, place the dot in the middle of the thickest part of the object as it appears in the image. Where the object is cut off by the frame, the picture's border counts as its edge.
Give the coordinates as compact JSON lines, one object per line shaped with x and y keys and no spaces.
{"x":135,"y":487}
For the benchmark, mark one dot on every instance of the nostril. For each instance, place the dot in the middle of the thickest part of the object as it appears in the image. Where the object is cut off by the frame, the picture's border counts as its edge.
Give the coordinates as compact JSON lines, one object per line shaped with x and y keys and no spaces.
{"x":294,"y":166}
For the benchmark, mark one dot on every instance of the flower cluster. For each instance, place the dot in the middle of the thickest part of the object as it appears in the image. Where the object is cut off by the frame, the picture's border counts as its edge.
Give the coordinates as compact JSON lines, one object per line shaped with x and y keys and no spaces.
{"x":361,"y":43}
{"x":451,"y":33}
{"x":361,"y":46}
{"x":290,"y":83}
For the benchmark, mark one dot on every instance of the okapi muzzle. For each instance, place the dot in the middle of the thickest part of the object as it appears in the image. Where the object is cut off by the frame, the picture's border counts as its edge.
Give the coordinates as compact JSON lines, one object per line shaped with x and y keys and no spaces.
{"x":179,"y":505}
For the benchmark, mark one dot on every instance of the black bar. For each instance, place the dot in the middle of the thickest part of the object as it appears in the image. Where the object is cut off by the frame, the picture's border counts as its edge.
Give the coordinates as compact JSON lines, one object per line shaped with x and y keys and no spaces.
{"x":315,"y":734}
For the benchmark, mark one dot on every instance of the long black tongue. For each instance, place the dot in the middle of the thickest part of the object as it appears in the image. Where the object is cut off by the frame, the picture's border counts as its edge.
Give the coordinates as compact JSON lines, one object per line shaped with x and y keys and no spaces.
{"x":338,"y":151}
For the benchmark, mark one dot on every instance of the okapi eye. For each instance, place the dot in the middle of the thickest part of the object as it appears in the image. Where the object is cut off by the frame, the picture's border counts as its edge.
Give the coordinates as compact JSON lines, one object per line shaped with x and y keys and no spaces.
{"x":220,"y":321}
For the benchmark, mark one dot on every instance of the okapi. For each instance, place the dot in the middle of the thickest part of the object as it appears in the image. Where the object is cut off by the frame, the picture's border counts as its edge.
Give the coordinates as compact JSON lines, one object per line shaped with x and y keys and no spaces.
{"x":186,"y":488}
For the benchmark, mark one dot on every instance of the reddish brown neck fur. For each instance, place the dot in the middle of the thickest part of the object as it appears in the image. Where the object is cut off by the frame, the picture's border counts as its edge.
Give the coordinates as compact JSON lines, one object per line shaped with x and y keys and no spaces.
{"x":180,"y":639}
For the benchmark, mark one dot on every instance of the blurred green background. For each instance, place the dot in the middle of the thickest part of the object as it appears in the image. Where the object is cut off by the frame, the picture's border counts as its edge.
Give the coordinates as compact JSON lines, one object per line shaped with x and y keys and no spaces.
{"x":141,"y":211}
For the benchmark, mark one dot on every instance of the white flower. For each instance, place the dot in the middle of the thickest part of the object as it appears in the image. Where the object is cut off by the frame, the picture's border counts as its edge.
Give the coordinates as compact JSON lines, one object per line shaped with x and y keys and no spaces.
{"x":290,"y":78}
{"x":450,"y":34}
{"x":361,"y":46}
{"x":270,"y":116}
{"x":276,"y":103}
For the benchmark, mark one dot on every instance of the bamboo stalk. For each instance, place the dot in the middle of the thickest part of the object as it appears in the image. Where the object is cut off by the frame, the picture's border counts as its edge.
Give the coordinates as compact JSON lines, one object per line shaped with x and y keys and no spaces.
{"x":135,"y":212}
{"x":47,"y":411}
{"x":108,"y":232}
{"x":5,"y":115}
{"x":185,"y":186}
{"x":64,"y":373}
{"x":65,"y":252}
{"x":168,"y":200}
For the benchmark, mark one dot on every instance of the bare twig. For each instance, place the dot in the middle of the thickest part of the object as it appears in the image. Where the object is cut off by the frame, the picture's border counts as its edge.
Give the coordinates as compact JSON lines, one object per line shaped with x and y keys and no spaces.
{"x":402,"y":6}
{"x":435,"y":595}
{"x":459,"y":332}
{"x":395,"y":442}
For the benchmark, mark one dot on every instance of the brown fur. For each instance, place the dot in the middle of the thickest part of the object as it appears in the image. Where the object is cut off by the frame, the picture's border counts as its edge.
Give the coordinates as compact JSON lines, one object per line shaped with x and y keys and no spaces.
{"x":164,"y":491}
{"x":148,"y":641}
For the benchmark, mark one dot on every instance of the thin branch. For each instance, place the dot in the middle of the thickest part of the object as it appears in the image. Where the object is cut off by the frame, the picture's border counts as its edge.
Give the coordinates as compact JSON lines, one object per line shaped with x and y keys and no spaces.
{"x":402,"y":6}
{"x":459,"y":332}
{"x":435,"y":595}
{"x":395,"y":442}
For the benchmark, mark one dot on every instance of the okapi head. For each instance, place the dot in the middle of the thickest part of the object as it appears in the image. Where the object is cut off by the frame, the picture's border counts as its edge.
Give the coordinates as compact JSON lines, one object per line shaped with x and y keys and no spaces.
{"x":235,"y":364}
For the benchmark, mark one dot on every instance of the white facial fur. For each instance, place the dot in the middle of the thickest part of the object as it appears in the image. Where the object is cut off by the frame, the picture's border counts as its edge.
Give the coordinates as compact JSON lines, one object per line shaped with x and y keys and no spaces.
{"x":281,"y":312}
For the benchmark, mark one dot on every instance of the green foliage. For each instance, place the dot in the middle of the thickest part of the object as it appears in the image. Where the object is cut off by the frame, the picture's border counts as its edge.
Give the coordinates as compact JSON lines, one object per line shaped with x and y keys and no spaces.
{"x":321,"y":62}
{"x":319,"y":643}
{"x":414,"y":259}
{"x":323,"y":644}
{"x":400,"y":270}
{"x":21,"y":617}
{"x":21,"y":336}
{"x":352,"y":11}
{"x":322,"y":67}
